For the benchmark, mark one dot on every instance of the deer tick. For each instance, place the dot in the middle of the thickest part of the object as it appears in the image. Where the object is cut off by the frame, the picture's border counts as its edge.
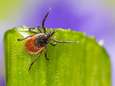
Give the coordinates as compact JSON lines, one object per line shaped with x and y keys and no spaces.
{"x":37,"y":43}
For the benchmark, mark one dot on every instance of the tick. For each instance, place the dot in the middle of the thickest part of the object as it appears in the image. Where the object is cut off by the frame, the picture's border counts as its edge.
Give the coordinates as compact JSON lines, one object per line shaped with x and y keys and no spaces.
{"x":37,"y":43}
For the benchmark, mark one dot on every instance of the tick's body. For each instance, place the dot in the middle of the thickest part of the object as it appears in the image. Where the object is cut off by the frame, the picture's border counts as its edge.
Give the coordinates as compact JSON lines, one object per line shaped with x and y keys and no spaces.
{"x":31,"y":47}
{"x":37,"y":43}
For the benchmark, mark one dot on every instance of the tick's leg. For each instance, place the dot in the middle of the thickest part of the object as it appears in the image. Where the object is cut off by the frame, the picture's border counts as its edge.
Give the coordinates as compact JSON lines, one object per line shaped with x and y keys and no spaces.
{"x":38,"y":28}
{"x":33,"y":63}
{"x":21,"y":39}
{"x":46,"y":56}
{"x":53,"y":44}
{"x":45,"y":53}
{"x":58,"y":41}
{"x":31,"y":30}
{"x":43,"y":22}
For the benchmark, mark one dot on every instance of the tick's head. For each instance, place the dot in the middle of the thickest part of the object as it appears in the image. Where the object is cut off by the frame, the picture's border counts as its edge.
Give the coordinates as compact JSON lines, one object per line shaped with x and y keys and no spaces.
{"x":43,"y":39}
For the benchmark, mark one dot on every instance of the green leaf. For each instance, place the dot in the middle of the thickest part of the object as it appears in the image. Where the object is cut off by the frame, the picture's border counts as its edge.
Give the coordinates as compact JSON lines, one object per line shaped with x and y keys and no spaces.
{"x":85,"y":63}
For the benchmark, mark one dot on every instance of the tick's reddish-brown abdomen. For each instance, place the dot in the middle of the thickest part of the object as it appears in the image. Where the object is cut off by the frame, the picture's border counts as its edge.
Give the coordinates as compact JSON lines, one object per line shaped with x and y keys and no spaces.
{"x":31,"y":47}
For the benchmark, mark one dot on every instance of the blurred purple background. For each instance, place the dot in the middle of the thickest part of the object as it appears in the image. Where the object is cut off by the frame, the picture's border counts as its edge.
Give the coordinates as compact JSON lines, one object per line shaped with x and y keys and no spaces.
{"x":93,"y":17}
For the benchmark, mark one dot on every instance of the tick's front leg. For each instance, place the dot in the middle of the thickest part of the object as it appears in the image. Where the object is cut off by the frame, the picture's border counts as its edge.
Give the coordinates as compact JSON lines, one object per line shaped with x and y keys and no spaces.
{"x":38,"y":28}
